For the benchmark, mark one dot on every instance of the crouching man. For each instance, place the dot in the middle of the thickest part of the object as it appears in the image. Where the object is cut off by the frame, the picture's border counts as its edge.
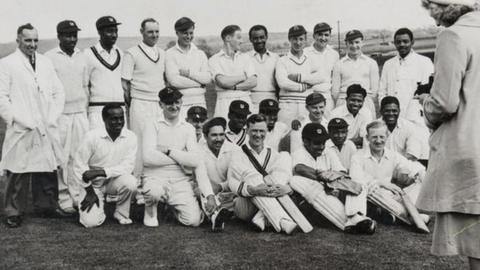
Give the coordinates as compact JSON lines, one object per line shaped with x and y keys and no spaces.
{"x":103,"y":165}
{"x":257,"y":192}
{"x":316,"y":169}
{"x":170,"y":152}
{"x":216,"y":154}
{"x":388,"y":176}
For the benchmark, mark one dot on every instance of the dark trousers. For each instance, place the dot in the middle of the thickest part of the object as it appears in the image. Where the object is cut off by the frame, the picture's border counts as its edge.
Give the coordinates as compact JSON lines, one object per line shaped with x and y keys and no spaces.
{"x":44,"y":192}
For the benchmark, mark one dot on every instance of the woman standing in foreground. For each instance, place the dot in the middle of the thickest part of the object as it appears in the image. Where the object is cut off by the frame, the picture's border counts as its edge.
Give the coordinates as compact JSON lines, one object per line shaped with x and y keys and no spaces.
{"x":452,"y":110}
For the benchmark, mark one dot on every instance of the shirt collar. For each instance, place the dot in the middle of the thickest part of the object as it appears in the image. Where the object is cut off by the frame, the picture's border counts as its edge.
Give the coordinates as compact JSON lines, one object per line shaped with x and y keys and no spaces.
{"x":100,"y":49}
{"x":368,"y":154}
{"x":192,"y":48}
{"x":348,"y":58}
{"x":161,"y":119}
{"x":104,"y":134}
{"x":224,"y":53}
{"x":297,"y":60}
{"x":409,"y":56}
{"x":265,"y":148}
{"x":75,"y":51}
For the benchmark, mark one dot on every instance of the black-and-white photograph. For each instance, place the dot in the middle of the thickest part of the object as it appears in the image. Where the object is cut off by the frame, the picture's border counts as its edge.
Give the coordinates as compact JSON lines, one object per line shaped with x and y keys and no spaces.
{"x":248,"y":134}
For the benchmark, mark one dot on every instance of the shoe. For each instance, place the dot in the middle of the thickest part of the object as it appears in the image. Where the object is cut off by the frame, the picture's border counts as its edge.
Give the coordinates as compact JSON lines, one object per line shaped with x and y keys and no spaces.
{"x":259,"y":221}
{"x":219,"y":218}
{"x":13,"y":221}
{"x":387,"y":218}
{"x":67,"y":212}
{"x":366,"y":226}
{"x":121,"y":219}
{"x":426,"y":218}
{"x":287,"y":226}
{"x":150,"y":216}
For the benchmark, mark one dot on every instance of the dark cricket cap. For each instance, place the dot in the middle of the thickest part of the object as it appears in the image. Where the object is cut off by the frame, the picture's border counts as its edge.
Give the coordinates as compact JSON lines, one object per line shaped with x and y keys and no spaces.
{"x":169,"y":95}
{"x":336,"y":124}
{"x":314,"y":98}
{"x":353,"y":34}
{"x":67,"y":26}
{"x":268,"y":106}
{"x":296,"y":30}
{"x":197,"y":113}
{"x":321,"y":27}
{"x":183,"y":24}
{"x":106,"y":21}
{"x":239,"y":107}
{"x":356,"y":89}
{"x":315,"y":132}
{"x":216,"y":121}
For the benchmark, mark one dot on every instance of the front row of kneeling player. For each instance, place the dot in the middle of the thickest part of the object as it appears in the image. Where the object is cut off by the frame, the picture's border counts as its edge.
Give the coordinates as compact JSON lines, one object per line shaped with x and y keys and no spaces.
{"x":217,"y":179}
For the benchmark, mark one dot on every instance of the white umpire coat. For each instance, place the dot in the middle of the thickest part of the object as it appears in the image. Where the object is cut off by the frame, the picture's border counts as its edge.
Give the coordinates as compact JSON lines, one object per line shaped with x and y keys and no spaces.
{"x":30,"y":104}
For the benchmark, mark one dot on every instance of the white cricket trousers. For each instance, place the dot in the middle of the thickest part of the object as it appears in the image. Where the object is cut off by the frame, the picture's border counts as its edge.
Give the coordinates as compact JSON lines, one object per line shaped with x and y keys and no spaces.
{"x":328,"y":205}
{"x":72,"y":128}
{"x":225,"y":98}
{"x":119,"y":188}
{"x":290,"y":110}
{"x":177,"y":192}
{"x":141,"y":110}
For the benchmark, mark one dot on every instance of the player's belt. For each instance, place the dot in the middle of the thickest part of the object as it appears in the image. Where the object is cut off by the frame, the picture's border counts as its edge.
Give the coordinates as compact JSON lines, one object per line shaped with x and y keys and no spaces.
{"x":92,"y":104}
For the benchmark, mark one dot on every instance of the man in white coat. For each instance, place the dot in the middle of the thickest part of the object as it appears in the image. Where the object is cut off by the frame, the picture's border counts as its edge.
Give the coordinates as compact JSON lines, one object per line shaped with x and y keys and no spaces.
{"x":31,"y":101}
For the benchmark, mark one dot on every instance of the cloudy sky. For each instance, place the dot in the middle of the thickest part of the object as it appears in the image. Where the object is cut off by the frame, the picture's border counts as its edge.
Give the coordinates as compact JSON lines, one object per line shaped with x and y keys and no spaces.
{"x":210,"y":15}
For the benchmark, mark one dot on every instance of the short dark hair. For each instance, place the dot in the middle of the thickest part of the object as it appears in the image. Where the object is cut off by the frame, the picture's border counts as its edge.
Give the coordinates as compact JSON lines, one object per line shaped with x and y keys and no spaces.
{"x":403,"y":31}
{"x":229,"y":30}
{"x":214,"y":122}
{"x":22,"y":27}
{"x":356,"y":89}
{"x":389,"y":100}
{"x":256,"y":118}
{"x":109,"y":107}
{"x":257,"y":27}
{"x":147,"y":20}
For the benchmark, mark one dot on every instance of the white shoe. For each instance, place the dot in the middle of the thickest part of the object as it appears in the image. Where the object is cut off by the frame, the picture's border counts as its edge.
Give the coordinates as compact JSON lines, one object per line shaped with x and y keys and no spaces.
{"x":287,"y":226}
{"x":150,"y":216}
{"x":259,"y":220}
{"x":425,"y":218}
{"x":121,"y":219}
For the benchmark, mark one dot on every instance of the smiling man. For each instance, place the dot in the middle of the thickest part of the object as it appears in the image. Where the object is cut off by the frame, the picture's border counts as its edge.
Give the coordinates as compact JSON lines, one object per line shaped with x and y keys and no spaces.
{"x":402,"y":137}
{"x":257,"y":192}
{"x":236,"y":132}
{"x":355,"y":68}
{"x":295,"y":76}
{"x":142,"y":77}
{"x":353,"y":112}
{"x":31,"y":102}
{"x":103,"y":165}
{"x":264,"y":62}
{"x":104,"y":61}
{"x":315,"y":104}
{"x":233,"y":72}
{"x":387,"y":175}
{"x":71,"y":69}
{"x":216,"y":154}
{"x":401,"y":76}
{"x":324,"y":58}
{"x":187,"y":66}
{"x":170,"y":152}
{"x":312,"y":162}
{"x":338,"y":143}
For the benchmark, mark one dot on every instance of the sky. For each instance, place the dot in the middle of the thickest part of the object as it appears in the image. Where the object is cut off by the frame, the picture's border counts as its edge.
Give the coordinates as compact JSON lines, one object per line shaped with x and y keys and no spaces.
{"x":211,"y":15}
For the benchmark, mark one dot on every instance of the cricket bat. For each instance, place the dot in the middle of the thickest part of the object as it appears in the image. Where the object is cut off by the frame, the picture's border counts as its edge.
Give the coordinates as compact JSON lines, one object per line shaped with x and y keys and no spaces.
{"x":413,"y":212}
{"x":292,"y":209}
